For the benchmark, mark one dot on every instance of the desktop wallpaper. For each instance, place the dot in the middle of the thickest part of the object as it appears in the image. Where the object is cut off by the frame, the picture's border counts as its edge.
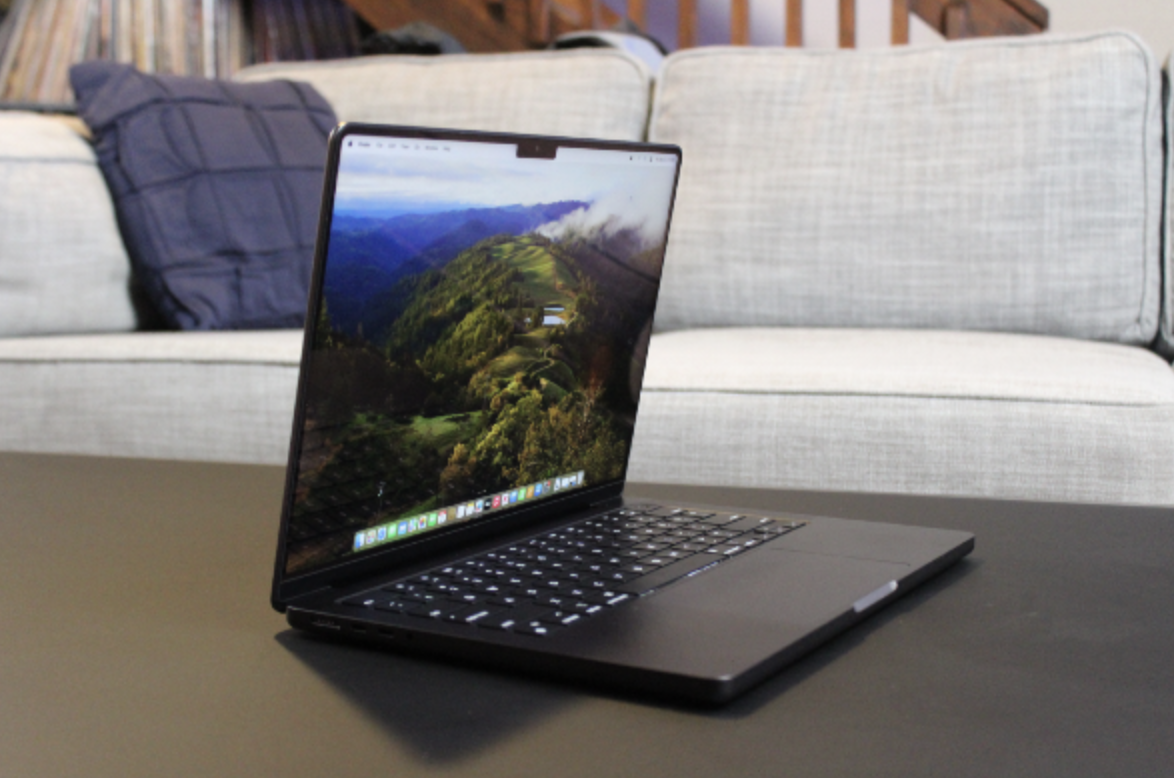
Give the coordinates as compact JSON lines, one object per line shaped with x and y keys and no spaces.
{"x":482,"y":327}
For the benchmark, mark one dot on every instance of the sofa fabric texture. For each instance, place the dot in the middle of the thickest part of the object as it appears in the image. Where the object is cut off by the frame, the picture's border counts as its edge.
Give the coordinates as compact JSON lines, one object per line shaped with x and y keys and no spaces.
{"x":63,"y":267}
{"x":1017,"y":188}
{"x":1003,"y":184}
{"x":216,"y":186}
{"x":588,"y":93}
{"x":982,"y":414}
{"x":218,"y":396}
{"x":1166,"y":330}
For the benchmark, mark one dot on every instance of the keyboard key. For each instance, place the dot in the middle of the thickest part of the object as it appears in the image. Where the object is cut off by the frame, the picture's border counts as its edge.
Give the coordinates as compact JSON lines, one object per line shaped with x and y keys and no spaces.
{"x":425,"y":597}
{"x":598,"y":597}
{"x":445,"y":610}
{"x":467,"y":598}
{"x":538,"y":630}
{"x":561,"y":617}
{"x":553,"y":600}
{"x":666,"y":575}
{"x":360,"y":601}
{"x":504,"y":601}
{"x":502,"y":620}
{"x":471,"y":615}
{"x":415,"y":609}
{"x":747,"y":523}
{"x":658,"y":560}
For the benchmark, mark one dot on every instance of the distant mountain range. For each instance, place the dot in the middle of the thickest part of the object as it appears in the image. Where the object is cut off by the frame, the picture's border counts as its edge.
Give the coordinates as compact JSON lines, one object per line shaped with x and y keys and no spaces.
{"x":369,"y":254}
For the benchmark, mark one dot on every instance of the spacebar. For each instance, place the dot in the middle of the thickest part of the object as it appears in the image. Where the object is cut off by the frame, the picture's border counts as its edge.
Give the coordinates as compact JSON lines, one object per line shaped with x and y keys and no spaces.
{"x":668,"y":574}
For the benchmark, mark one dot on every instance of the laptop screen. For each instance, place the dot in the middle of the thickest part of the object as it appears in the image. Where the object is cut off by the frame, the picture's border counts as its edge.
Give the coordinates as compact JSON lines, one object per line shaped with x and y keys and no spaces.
{"x":479,"y":336}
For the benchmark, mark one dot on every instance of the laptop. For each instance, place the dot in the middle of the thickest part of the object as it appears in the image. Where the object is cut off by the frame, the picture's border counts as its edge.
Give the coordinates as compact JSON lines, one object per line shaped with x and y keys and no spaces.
{"x":480,"y":310}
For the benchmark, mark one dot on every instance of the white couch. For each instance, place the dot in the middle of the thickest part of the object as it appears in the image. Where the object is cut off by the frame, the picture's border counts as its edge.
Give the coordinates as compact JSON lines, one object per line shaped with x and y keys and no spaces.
{"x":929,"y":270}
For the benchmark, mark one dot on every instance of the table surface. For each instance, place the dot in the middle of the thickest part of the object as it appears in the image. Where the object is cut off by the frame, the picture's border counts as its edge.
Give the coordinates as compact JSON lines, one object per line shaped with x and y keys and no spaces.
{"x":136,"y":639}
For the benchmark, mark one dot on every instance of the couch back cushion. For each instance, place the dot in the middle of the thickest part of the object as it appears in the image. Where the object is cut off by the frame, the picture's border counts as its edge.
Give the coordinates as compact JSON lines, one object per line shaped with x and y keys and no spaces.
{"x":1005,"y":184}
{"x":593,"y":93}
{"x":62,"y":264}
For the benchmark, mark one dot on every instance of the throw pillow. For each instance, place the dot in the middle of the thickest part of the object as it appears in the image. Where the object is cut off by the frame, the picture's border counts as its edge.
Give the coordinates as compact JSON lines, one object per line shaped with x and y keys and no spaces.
{"x":216,"y":186}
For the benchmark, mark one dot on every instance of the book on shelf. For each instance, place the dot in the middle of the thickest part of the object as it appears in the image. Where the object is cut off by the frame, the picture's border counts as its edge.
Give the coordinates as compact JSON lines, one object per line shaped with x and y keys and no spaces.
{"x":41,"y":39}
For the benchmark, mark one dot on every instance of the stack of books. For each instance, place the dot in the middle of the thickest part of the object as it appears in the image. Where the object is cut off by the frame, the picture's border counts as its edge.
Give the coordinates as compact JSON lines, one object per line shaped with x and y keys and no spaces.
{"x":285,"y":30}
{"x":41,"y":39}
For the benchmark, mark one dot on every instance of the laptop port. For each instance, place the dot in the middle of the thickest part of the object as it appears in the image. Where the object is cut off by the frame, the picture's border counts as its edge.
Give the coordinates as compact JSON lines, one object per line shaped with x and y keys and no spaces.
{"x":325,"y":624}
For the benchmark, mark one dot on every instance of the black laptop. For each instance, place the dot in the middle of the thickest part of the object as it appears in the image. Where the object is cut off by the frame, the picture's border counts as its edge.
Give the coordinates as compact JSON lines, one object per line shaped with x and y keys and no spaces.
{"x":480,"y":310}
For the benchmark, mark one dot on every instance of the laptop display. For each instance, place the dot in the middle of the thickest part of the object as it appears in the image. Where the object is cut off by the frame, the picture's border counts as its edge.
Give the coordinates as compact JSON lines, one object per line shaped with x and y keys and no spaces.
{"x":479,"y":337}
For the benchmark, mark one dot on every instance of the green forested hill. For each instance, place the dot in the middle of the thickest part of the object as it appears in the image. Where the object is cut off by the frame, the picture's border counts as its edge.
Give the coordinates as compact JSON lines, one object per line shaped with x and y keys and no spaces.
{"x":495,"y":368}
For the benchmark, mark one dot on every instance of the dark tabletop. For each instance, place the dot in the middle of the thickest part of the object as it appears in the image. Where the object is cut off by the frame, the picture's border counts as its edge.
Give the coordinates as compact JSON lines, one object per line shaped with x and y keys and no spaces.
{"x":136,"y":639}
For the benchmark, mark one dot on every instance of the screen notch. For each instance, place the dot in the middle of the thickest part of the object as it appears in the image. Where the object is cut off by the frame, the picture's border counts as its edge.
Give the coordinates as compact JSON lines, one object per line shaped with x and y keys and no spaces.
{"x":537,"y":148}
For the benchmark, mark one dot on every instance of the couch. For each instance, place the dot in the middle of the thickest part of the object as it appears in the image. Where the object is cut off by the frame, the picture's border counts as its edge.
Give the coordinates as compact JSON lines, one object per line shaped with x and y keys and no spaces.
{"x":935,"y":270}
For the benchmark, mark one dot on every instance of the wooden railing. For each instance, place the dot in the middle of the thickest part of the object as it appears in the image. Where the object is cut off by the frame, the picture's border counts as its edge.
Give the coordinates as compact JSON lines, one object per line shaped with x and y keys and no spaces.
{"x":512,"y":25}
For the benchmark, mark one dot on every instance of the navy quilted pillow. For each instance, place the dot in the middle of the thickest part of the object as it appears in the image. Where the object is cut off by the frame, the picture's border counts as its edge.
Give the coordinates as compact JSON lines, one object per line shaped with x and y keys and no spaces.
{"x":216,"y":186}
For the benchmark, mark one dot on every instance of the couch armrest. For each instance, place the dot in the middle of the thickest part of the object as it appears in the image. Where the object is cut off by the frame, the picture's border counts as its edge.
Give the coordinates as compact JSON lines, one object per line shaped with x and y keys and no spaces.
{"x":1165,"y":341}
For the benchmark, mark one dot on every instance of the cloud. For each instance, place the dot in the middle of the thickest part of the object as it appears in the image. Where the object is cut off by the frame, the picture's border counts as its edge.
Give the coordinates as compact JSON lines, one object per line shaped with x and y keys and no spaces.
{"x":640,"y":207}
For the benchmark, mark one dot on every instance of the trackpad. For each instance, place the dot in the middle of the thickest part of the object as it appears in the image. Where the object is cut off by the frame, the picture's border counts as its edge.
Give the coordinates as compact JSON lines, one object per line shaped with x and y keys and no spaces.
{"x":785,"y":586}
{"x":730,"y":618}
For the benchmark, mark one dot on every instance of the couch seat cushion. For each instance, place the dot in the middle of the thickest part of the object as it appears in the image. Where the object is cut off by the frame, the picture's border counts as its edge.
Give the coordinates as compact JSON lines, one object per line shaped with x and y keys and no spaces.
{"x":220,"y":396}
{"x":932,"y":412}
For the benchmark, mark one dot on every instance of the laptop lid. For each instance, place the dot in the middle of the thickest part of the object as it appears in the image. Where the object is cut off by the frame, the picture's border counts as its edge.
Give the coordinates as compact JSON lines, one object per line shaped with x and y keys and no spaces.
{"x":479,"y":316}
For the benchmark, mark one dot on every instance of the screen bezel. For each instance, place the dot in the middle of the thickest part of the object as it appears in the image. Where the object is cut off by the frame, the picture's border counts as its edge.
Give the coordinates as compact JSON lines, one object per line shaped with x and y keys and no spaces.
{"x":286,"y":587}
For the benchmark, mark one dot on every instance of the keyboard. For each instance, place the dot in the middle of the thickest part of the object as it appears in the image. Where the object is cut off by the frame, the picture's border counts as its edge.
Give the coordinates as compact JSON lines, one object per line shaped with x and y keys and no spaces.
{"x":560,"y":578}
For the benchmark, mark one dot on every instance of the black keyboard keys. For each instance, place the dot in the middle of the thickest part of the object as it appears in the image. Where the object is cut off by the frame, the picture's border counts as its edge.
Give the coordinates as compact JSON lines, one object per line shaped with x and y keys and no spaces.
{"x":558,"y":579}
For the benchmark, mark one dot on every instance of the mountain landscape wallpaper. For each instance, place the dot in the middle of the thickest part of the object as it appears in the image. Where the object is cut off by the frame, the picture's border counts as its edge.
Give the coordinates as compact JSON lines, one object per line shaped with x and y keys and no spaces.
{"x":471,"y":338}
